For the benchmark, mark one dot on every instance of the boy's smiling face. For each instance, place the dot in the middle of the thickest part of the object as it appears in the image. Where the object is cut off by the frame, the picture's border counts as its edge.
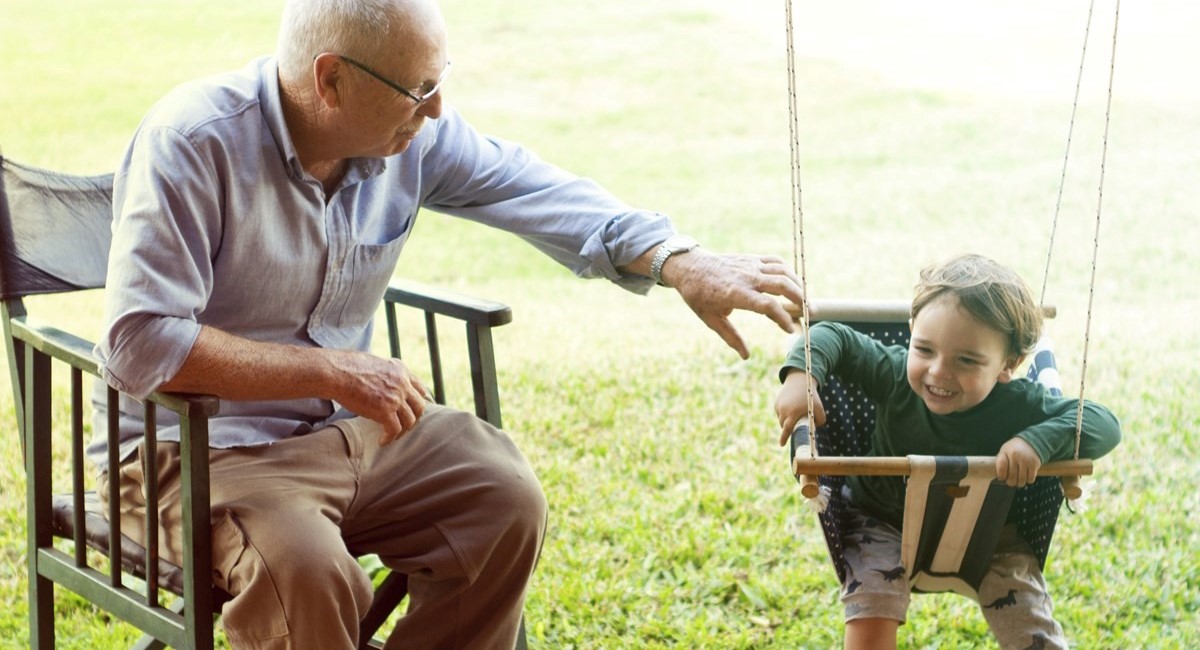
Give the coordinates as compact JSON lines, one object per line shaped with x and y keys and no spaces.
{"x":954,"y":360}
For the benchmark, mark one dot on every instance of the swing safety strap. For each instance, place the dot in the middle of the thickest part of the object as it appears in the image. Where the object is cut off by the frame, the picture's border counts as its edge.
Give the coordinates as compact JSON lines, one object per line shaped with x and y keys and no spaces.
{"x":954,"y":512}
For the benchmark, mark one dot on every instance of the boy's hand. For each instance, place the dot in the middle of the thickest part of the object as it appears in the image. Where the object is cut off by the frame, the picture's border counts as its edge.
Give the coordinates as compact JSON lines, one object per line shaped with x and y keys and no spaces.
{"x":1017,"y":463}
{"x":792,"y":404}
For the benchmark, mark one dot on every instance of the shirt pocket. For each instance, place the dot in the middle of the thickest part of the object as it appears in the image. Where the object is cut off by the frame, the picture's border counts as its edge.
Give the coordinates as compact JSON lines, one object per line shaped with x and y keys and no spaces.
{"x":369,"y":270}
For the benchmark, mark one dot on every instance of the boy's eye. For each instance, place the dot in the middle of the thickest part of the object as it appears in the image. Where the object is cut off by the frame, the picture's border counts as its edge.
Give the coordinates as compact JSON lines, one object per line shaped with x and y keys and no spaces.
{"x":968,"y":361}
{"x":922,"y":350}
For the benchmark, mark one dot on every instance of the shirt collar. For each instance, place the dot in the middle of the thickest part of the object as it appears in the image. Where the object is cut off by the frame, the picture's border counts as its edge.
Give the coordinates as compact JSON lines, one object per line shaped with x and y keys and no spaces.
{"x":358,"y":169}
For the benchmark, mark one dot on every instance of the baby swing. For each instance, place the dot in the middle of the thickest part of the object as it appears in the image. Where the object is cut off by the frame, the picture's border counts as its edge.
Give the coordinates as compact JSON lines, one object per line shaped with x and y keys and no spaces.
{"x":954,"y":506}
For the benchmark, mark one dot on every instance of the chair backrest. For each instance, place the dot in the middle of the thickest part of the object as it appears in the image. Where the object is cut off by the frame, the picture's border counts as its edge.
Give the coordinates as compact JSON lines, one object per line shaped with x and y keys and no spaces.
{"x":55,"y":235}
{"x":850,"y":420}
{"x":55,"y":232}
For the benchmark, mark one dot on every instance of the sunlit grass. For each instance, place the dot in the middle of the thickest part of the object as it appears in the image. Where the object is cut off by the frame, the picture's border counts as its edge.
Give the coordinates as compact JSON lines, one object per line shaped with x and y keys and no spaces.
{"x":674,"y":522}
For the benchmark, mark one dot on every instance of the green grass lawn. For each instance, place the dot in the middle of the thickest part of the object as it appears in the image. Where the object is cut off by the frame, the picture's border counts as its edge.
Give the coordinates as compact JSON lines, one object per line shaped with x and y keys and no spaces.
{"x":674,"y":519}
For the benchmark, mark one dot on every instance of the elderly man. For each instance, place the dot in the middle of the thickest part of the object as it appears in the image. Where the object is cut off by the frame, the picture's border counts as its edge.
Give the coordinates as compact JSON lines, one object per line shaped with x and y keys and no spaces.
{"x":258,"y":218}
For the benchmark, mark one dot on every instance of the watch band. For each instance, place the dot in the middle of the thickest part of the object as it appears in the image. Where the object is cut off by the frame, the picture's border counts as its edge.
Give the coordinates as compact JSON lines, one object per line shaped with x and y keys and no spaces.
{"x":673,"y":244}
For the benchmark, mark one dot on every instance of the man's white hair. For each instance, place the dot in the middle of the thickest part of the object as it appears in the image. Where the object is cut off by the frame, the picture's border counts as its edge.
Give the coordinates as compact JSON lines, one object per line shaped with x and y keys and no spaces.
{"x":355,"y":28}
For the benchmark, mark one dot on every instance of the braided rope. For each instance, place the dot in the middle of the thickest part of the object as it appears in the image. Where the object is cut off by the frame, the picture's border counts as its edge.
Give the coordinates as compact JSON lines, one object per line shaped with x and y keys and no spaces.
{"x":1062,"y":181}
{"x":798,"y":259}
{"x":1112,"y":66}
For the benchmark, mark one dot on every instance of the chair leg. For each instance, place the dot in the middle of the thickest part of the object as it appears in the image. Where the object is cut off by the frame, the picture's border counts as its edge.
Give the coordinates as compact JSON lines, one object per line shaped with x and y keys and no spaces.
{"x":391,"y":591}
{"x":521,"y":642}
{"x":41,"y":611}
{"x":148,"y":642}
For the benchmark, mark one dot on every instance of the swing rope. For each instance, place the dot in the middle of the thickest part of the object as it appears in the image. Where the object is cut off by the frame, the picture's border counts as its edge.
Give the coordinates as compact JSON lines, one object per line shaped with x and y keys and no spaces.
{"x":798,"y":260}
{"x":1062,"y":181}
{"x":1112,"y":65}
{"x":798,"y":256}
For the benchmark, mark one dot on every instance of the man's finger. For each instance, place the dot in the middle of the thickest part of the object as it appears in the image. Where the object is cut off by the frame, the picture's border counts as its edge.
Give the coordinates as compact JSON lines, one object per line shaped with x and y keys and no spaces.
{"x":782,"y":318}
{"x":729,"y":334}
{"x":406,"y":416}
{"x":781,"y":285}
{"x":416,"y":401}
{"x":391,"y":429}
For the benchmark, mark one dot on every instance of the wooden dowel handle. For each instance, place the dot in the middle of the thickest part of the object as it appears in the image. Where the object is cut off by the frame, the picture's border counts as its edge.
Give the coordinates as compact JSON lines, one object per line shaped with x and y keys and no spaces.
{"x":1071,"y":487}
{"x":810,"y":485}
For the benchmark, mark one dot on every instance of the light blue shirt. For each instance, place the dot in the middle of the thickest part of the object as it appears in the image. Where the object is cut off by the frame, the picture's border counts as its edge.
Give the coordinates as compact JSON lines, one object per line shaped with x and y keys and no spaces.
{"x":216,"y":223}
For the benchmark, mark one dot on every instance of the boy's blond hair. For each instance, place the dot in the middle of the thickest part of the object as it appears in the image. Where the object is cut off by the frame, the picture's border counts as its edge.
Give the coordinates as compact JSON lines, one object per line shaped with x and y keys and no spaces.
{"x":989,"y":291}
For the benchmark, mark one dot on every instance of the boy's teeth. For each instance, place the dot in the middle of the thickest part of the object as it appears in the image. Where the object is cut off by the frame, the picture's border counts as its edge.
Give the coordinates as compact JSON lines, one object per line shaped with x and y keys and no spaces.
{"x":940,"y":392}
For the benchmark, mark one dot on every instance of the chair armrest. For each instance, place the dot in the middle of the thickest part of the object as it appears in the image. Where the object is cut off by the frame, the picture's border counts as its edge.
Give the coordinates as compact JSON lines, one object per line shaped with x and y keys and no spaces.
{"x":46,"y":343}
{"x":478,"y":316}
{"x":448,"y":303}
{"x":77,"y":353}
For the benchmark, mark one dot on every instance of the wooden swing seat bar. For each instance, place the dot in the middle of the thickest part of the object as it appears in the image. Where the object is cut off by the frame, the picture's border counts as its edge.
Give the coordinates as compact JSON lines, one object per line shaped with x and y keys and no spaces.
{"x":807,"y":468}
{"x":867,"y":311}
{"x":806,"y":465}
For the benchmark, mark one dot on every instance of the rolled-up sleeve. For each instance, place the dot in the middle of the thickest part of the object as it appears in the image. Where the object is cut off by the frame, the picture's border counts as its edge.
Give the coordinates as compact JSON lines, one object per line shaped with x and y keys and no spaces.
{"x":166,"y":218}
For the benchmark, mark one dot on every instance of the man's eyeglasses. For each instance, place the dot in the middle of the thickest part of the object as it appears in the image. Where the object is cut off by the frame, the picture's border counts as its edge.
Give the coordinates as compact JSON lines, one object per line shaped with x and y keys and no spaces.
{"x":420,"y":96}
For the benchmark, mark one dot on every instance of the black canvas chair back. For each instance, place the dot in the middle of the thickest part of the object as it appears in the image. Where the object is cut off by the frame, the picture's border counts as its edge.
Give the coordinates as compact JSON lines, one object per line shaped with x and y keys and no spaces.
{"x":55,"y":234}
{"x":850,"y":419}
{"x":55,"y":231}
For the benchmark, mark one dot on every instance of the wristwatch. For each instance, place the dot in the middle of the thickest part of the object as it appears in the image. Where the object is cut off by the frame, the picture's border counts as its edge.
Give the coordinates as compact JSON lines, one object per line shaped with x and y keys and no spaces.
{"x":674,"y":244}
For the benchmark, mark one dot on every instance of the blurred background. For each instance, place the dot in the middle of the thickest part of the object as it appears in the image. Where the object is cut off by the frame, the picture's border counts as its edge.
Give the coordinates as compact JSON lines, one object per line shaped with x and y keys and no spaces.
{"x":925,"y":129}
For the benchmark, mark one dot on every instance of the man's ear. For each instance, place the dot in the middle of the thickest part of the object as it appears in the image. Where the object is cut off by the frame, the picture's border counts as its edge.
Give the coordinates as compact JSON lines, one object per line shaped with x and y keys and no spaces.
{"x":1006,"y":375}
{"x":328,"y":74}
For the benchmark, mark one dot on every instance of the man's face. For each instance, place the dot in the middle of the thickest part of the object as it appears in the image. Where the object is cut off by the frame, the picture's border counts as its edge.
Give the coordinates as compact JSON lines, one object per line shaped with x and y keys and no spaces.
{"x":386,"y":112}
{"x":954,"y":360}
{"x":387,"y":98}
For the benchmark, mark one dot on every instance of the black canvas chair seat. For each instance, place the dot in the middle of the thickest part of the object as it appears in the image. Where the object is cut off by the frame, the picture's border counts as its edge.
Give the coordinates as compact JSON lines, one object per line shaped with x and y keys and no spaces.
{"x":850,"y":420}
{"x":55,"y":233}
{"x":133,"y":555}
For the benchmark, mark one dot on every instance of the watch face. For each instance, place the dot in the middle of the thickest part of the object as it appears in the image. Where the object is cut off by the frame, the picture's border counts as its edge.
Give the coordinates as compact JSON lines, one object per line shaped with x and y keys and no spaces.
{"x":679,"y":243}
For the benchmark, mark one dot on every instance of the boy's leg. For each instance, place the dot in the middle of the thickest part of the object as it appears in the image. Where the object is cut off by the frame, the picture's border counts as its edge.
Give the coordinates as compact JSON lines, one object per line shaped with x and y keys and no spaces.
{"x":875,"y":593}
{"x":871,"y":634}
{"x":1014,"y":599}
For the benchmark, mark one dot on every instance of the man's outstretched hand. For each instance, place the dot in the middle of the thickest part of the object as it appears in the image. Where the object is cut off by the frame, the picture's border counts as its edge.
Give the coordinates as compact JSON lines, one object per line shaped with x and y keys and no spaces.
{"x":713,"y":285}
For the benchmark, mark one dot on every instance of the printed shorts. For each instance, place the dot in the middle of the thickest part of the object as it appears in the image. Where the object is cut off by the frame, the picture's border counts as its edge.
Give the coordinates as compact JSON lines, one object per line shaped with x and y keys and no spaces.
{"x":1012,"y":597}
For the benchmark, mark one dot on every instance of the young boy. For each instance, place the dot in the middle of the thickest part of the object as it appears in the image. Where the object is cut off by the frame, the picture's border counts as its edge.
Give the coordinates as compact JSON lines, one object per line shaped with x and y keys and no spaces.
{"x":952,"y":392}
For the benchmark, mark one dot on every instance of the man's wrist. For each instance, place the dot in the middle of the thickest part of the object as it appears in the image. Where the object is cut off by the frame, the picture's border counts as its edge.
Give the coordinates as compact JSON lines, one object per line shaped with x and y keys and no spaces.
{"x":673,"y":245}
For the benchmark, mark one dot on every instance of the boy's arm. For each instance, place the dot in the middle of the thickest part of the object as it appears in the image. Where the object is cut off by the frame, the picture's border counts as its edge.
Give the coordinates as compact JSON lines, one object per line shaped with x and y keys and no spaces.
{"x":791,"y":404}
{"x":850,"y":354}
{"x":1054,"y":438}
{"x":825,"y":349}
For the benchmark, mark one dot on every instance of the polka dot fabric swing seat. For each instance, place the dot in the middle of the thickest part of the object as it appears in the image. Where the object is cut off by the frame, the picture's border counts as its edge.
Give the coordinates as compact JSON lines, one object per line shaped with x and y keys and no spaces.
{"x":955,"y":508}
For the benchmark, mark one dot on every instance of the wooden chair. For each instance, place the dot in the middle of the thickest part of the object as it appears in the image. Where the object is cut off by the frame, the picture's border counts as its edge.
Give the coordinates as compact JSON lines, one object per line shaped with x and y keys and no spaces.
{"x":55,"y":232}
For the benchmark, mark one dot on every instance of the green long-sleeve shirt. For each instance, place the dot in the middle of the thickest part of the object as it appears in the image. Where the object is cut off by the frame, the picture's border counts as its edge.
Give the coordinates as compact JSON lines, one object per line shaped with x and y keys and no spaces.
{"x":904,"y":425}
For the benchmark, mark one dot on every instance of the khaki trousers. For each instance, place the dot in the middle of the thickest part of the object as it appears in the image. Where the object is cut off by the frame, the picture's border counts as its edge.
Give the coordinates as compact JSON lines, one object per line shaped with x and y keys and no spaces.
{"x":452,"y":504}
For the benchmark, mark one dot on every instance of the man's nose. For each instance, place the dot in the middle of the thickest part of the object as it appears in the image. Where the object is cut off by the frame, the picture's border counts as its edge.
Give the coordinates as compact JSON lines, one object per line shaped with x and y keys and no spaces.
{"x":432,"y":107}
